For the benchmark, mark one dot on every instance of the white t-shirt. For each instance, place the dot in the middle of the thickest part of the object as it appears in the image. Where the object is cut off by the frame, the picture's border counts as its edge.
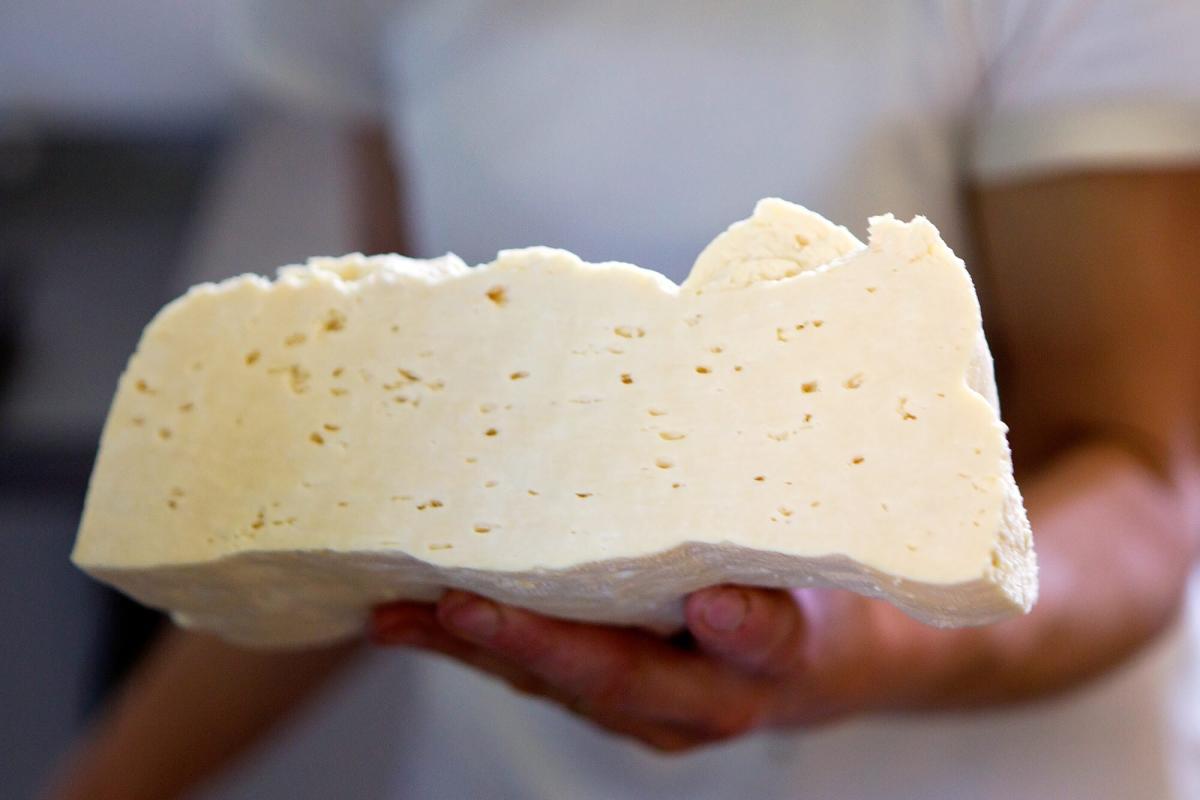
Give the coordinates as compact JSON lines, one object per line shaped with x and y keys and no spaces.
{"x":636,"y":131}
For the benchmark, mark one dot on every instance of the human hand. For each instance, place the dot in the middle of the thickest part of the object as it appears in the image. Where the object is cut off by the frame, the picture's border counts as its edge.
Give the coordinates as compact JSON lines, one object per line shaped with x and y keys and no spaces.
{"x":762,"y":658}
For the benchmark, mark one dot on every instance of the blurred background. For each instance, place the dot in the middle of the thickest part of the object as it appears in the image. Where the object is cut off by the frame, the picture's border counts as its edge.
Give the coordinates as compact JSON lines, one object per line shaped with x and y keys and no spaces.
{"x":129,"y":163}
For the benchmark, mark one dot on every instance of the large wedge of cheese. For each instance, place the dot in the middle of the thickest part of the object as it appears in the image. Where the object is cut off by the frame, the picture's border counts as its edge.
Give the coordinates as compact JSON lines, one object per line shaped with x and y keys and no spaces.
{"x":586,"y":440}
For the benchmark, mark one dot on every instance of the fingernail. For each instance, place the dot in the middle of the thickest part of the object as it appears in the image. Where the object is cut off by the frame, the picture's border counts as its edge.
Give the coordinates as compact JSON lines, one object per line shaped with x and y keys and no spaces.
{"x":473,"y":617}
{"x":726,"y":611}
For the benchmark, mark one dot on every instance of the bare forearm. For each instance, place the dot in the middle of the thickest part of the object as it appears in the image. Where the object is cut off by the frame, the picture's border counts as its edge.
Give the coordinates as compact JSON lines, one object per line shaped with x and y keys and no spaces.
{"x":193,"y":706}
{"x":1092,"y":286}
{"x":1114,"y":549}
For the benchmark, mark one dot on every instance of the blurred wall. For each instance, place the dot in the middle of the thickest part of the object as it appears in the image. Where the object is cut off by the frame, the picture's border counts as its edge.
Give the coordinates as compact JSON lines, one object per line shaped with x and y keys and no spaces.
{"x":131,"y":168}
{"x":90,"y":232}
{"x":112,"y":117}
{"x":119,"y":65}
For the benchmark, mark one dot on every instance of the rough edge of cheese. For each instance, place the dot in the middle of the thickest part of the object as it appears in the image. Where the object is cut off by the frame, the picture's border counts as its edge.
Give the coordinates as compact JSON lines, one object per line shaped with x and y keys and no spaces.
{"x":342,"y":585}
{"x":251,"y":612}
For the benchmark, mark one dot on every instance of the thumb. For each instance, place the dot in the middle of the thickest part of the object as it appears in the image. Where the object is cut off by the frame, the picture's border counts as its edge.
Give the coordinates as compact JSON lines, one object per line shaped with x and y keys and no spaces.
{"x":758,"y":631}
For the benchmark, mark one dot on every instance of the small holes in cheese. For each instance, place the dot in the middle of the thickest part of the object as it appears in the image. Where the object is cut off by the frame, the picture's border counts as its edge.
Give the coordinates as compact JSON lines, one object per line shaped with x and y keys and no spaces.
{"x":854,"y":381}
{"x":498,"y":295}
{"x":808,"y":387}
{"x":297,"y":378}
{"x":334,"y":321}
{"x":519,"y":375}
{"x":663,"y":463}
{"x":629,"y":332}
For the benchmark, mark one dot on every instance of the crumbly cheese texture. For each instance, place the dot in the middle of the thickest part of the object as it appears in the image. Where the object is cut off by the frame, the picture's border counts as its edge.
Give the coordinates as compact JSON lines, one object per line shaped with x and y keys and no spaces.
{"x":589,"y":441}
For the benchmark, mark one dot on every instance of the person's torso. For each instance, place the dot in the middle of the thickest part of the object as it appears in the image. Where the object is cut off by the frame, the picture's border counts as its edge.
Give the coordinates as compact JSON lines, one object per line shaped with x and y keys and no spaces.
{"x":636,"y":132}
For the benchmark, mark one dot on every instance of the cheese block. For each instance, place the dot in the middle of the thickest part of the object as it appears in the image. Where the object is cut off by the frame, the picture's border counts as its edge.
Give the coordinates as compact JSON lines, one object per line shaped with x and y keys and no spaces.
{"x":589,"y":441}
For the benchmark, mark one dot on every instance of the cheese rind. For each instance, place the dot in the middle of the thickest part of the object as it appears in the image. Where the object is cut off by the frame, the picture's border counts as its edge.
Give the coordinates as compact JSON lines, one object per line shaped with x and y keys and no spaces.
{"x":589,"y":441}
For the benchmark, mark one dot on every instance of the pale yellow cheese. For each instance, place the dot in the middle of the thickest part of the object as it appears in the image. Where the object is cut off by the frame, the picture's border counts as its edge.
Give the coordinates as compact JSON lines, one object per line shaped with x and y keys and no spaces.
{"x":586,"y":440}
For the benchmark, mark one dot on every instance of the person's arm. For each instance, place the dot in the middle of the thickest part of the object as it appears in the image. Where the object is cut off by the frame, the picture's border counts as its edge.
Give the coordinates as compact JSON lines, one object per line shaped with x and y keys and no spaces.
{"x":191,"y":707}
{"x":1095,"y":284}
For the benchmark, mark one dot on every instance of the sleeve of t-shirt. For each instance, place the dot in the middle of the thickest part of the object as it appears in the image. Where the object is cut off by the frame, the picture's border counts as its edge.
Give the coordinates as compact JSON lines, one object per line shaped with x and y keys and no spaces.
{"x":1073,"y":84}
{"x":310,"y":54}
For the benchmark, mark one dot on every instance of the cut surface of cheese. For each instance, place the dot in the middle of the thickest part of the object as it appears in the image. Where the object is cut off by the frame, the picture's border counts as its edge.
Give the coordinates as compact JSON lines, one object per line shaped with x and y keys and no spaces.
{"x":589,"y":441}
